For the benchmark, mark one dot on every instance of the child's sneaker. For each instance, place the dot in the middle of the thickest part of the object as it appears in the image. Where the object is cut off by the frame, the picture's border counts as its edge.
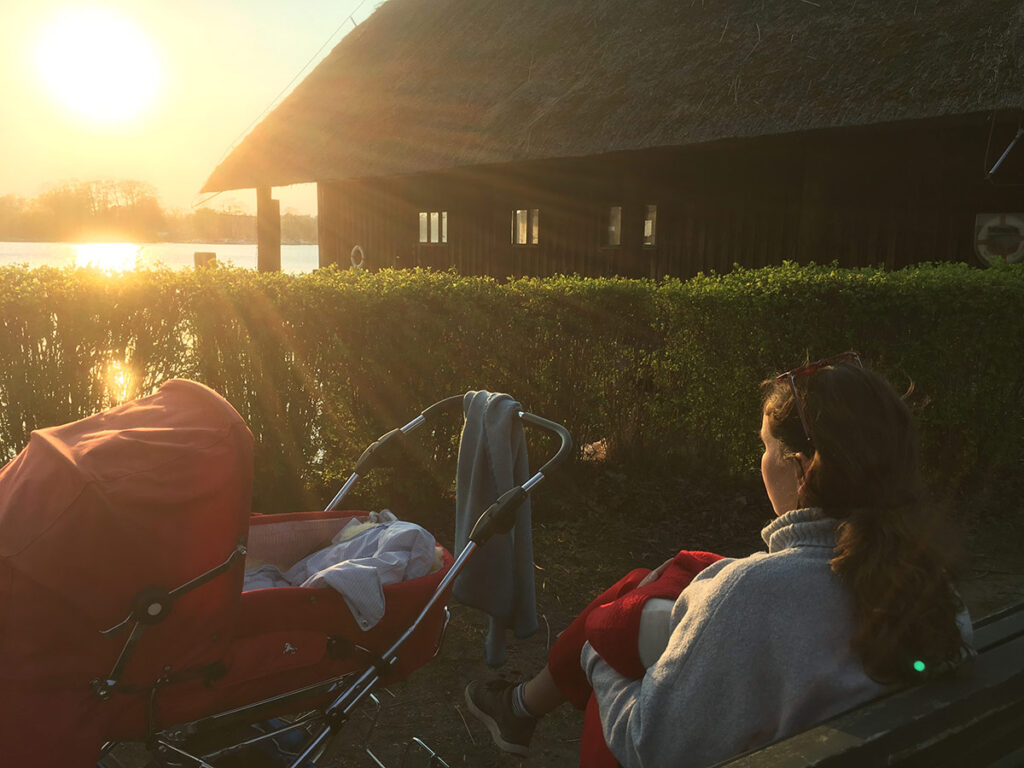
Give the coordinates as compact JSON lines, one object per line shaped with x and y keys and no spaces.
{"x":491,"y":703}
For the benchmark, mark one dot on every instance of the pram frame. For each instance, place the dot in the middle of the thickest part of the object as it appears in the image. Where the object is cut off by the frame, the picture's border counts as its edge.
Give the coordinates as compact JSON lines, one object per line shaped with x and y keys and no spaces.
{"x":499,"y":517}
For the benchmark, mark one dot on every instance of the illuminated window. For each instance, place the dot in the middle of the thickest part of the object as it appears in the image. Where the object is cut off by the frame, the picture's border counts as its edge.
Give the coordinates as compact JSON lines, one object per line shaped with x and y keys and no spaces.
{"x":615,"y":225}
{"x":433,"y":226}
{"x":650,"y":224}
{"x":526,"y":226}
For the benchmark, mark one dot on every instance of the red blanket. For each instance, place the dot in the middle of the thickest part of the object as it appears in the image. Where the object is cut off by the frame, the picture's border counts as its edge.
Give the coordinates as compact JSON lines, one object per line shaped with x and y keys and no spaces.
{"x":611,"y":624}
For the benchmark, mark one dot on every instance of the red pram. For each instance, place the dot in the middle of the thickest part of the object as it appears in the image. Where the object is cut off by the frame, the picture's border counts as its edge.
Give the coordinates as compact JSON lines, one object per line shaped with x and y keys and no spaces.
{"x":122,"y":541}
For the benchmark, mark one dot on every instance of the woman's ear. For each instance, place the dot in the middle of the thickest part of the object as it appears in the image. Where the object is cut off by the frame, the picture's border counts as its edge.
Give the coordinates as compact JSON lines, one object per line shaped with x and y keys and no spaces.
{"x":803,"y":462}
{"x":802,"y":465}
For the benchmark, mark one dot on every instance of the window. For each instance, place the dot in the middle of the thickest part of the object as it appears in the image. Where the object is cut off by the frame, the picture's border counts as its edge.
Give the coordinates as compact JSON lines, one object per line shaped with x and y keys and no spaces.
{"x":526,"y":226}
{"x":615,"y":225}
{"x":650,"y":224}
{"x":433,"y":226}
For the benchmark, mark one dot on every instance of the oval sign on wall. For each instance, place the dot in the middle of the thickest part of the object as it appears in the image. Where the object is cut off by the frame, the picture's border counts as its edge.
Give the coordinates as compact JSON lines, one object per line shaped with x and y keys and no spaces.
{"x":999,"y":237}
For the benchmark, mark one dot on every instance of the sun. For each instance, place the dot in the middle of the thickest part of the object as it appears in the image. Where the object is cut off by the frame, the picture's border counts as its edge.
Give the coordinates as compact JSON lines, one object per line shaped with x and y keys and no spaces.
{"x":99,"y":65}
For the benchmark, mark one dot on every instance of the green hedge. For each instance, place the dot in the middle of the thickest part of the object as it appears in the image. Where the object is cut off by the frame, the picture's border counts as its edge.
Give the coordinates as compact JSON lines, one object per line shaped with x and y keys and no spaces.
{"x":667,"y":371}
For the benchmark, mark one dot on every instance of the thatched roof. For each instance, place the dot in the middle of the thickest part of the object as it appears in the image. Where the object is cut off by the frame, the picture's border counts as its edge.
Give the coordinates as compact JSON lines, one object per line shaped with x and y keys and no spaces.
{"x":430,"y":84}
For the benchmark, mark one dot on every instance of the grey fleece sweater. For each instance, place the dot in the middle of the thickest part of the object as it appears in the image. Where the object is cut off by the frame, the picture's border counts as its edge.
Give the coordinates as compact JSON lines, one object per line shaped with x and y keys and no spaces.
{"x":759,"y":650}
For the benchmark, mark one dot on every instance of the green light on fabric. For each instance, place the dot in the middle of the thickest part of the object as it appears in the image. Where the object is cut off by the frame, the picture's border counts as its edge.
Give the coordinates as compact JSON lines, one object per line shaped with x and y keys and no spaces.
{"x":919,"y":666}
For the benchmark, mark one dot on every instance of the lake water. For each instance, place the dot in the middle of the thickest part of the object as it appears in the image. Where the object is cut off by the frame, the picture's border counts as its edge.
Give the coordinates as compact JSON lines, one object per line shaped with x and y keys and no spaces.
{"x":122,"y":256}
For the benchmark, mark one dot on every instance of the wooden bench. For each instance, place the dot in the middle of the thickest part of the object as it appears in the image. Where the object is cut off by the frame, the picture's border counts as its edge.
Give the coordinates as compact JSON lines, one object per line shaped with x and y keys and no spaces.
{"x":972,"y":716}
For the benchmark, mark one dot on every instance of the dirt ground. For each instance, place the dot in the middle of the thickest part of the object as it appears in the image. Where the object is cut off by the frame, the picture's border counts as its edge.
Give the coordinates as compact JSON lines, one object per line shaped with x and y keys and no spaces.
{"x":587,"y":533}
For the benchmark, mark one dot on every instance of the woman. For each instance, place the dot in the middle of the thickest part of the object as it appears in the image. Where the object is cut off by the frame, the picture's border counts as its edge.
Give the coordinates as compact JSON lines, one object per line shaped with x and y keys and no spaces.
{"x":850,"y":598}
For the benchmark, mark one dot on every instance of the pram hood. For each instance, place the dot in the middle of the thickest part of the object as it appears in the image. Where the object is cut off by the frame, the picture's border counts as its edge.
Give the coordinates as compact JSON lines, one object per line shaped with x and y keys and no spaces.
{"x":152,"y":493}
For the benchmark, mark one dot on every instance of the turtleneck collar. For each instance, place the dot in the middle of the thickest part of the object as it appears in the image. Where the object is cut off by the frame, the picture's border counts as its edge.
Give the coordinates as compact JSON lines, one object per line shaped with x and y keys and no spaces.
{"x":800,"y":528}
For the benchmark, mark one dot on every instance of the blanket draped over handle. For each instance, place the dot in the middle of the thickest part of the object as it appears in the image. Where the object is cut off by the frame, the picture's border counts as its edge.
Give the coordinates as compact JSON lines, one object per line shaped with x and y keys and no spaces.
{"x":498,"y":579}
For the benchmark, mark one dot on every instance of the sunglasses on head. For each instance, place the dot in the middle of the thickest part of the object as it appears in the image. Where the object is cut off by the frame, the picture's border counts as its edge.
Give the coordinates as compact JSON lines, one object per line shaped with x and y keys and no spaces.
{"x":809,"y":368}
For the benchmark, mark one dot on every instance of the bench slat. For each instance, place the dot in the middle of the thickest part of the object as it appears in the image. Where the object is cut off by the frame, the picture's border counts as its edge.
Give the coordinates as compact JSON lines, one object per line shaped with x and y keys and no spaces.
{"x":979,"y":707}
{"x":999,"y":627}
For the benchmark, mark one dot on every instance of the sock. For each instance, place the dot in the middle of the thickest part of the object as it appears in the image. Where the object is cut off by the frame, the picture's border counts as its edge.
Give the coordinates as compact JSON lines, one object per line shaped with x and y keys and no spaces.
{"x":519,"y":702}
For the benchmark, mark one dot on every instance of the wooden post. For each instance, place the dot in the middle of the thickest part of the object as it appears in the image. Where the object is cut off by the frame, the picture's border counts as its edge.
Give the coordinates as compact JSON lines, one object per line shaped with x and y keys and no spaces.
{"x":204,"y":259}
{"x":268,"y":232}
{"x":322,"y":235}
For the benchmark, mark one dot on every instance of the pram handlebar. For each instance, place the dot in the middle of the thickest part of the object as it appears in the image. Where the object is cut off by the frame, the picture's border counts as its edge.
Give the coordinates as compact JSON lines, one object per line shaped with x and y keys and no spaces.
{"x":384,"y":447}
{"x":500,"y":517}
{"x":441,"y":405}
{"x":381,"y":450}
{"x":377,"y":453}
{"x":564,"y":448}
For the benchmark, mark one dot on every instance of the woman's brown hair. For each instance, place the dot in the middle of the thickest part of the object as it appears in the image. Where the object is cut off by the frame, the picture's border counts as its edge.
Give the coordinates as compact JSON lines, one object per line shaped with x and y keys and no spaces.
{"x":892,"y":550}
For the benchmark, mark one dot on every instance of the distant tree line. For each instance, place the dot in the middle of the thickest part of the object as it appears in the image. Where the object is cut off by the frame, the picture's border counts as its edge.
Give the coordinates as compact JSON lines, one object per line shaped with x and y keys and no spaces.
{"x":100,"y":211}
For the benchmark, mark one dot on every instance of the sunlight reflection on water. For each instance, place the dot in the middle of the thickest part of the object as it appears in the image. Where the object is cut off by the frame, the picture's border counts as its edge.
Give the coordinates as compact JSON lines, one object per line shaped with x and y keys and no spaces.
{"x":109,"y":257}
{"x":295,"y":259}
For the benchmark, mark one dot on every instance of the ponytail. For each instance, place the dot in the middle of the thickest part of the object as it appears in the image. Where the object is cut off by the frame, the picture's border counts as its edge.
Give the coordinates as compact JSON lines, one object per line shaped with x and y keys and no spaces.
{"x":904,"y":605}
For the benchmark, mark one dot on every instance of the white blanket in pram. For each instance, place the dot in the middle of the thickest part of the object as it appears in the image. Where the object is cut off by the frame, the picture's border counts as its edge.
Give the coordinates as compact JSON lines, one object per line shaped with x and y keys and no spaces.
{"x":358,"y":566}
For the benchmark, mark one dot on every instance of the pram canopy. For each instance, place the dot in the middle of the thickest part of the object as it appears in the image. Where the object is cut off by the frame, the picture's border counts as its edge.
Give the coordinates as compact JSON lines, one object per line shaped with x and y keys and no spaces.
{"x":152,"y":493}
{"x":149,"y":494}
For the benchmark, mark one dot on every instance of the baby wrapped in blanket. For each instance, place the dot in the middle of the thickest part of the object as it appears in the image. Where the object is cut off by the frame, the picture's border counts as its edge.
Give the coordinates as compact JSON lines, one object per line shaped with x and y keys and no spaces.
{"x":358,"y":561}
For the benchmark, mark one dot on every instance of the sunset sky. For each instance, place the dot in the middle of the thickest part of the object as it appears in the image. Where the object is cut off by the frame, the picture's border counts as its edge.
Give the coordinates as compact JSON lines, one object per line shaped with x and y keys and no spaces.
{"x":152,"y":90}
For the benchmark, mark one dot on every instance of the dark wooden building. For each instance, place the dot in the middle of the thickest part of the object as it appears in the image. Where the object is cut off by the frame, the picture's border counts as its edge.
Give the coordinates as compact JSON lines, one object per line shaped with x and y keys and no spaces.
{"x":653,"y":137}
